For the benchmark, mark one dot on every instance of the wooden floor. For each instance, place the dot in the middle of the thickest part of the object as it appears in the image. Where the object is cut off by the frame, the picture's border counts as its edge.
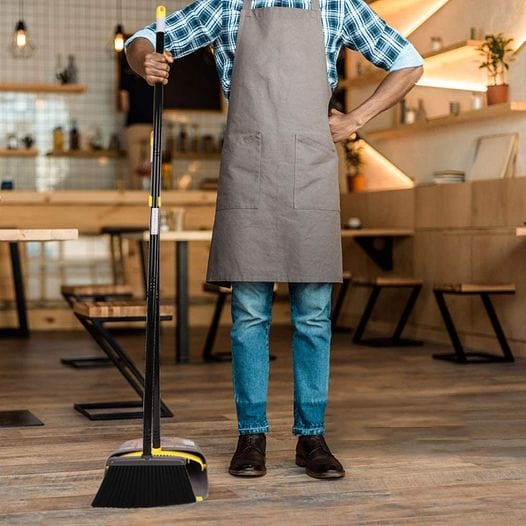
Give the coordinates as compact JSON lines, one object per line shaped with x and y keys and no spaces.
{"x":423,"y":442}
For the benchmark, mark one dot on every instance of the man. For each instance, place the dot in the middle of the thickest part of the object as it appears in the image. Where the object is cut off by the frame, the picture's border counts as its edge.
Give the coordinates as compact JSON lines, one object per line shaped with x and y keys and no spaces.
{"x":278,"y":212}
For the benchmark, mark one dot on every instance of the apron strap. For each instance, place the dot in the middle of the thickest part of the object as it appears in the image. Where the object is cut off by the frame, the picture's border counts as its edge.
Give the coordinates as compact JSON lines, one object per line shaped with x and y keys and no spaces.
{"x":315,"y":5}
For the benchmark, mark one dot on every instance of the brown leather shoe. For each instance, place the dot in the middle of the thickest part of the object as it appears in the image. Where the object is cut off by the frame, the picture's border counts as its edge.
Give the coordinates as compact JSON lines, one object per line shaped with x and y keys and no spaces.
{"x":314,"y":454}
{"x":249,"y":458}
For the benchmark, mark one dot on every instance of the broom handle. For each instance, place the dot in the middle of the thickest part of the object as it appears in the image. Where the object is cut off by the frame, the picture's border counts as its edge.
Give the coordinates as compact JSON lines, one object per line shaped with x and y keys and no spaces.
{"x":151,"y":403}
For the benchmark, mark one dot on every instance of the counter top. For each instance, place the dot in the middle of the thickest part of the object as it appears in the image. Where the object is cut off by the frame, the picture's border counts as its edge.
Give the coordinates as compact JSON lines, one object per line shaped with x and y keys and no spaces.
{"x":105,"y":197}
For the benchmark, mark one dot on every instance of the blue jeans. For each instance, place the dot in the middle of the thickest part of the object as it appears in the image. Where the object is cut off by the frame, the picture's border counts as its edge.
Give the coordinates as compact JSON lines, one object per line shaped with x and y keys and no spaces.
{"x":310,"y":306}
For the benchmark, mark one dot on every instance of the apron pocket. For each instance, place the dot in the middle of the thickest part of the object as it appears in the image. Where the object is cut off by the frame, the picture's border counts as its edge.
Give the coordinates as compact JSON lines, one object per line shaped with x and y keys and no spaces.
{"x":316,"y":184}
{"x":239,"y":178}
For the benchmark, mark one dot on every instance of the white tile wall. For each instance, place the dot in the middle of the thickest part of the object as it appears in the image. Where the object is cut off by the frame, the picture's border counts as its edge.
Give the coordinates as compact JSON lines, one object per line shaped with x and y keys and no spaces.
{"x":83,"y":28}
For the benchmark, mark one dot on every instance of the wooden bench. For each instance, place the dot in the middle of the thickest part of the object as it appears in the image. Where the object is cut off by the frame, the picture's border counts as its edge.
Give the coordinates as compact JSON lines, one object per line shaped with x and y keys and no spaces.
{"x":483,"y":290}
{"x":94,"y":315}
{"x":106,"y":292}
{"x":344,"y":287}
{"x":222,"y":293}
{"x":377,"y":284}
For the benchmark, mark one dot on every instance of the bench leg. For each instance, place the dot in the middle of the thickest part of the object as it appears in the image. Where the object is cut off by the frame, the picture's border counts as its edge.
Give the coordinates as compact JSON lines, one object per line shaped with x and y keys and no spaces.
{"x":459,"y":356}
{"x":119,"y":358}
{"x":499,"y":333}
{"x":395,"y":340}
{"x":463,"y":357}
{"x":362,"y":324}
{"x":402,"y":322}
{"x":342,"y":293}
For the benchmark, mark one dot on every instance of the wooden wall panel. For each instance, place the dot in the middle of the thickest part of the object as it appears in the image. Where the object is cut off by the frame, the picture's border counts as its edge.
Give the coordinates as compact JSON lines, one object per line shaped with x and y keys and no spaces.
{"x":447,"y":206}
{"x":464,"y":232}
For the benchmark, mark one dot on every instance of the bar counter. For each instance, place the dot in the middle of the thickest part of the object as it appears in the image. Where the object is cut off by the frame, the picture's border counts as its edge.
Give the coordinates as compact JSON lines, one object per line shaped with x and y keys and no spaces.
{"x":89,"y":211}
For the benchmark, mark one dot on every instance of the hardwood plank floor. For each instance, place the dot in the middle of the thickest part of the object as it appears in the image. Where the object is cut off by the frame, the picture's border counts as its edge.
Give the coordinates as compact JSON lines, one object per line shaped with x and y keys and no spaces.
{"x":423,"y":442}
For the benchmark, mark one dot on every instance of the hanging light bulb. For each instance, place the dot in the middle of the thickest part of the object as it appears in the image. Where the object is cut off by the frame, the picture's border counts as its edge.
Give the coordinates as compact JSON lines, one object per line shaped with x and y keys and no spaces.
{"x":20,"y":34}
{"x":21,"y":46}
{"x":118,"y":39}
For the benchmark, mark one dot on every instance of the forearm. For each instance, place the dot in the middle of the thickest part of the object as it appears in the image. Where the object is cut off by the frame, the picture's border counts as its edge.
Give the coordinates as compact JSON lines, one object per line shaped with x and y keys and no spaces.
{"x":136,"y":54}
{"x":391,"y":90}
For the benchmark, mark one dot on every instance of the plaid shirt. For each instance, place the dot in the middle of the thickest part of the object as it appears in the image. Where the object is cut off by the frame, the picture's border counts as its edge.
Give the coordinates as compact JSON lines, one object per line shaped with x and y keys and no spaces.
{"x":349,"y":23}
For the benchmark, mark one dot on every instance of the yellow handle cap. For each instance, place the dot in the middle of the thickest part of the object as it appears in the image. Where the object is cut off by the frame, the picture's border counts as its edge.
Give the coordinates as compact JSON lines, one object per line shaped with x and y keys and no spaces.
{"x":161,"y":11}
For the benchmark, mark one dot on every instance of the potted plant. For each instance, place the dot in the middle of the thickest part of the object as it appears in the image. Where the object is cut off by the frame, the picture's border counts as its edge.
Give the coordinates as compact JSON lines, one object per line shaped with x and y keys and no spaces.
{"x":354,"y":162}
{"x":497,"y":54}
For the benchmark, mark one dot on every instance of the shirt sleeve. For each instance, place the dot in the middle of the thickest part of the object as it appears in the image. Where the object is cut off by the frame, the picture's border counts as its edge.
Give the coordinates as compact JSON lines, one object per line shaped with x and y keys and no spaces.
{"x":364,"y":31}
{"x":188,"y":29}
{"x":409,"y":58}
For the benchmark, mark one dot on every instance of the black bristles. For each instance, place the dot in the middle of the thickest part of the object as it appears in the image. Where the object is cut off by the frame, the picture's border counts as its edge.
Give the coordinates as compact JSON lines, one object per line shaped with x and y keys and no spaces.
{"x":144,"y":486}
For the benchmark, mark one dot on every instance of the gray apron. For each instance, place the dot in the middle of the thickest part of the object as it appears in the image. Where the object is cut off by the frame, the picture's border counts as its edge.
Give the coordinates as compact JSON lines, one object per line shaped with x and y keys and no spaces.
{"x":277,"y":214}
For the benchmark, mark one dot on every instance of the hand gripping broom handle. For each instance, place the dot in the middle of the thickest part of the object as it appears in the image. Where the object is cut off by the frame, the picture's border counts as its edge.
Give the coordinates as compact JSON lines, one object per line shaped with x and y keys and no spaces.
{"x":151,"y":409}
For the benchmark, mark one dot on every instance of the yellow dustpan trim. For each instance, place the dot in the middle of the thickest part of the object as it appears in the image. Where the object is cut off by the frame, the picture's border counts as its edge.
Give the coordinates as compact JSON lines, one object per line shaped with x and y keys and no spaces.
{"x":159,"y":452}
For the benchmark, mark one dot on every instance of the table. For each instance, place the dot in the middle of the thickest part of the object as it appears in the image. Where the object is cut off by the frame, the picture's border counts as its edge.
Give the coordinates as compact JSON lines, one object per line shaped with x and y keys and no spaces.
{"x":378,"y":242}
{"x":19,"y":418}
{"x":181,"y":239}
{"x":14,"y":237}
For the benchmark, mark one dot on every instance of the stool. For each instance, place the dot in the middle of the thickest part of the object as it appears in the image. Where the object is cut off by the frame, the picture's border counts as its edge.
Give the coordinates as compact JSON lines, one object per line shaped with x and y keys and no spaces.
{"x":377,"y":284}
{"x":117,"y":252}
{"x":222,"y":293}
{"x":93,"y":316}
{"x":344,"y":287}
{"x":75,"y":293}
{"x":484,"y":291}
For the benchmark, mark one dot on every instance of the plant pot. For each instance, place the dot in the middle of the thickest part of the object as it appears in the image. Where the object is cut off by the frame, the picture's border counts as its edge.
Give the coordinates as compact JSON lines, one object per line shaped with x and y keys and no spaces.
{"x":497,"y":94}
{"x":356,"y":183}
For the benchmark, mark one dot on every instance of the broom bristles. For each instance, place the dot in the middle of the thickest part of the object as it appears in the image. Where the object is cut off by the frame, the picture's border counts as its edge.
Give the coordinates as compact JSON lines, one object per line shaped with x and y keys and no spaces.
{"x":143,"y":485}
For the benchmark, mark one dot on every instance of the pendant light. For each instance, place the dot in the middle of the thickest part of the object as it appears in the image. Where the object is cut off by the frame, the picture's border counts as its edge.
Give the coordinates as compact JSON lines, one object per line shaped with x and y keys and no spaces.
{"x":21,"y":46}
{"x":118,"y":39}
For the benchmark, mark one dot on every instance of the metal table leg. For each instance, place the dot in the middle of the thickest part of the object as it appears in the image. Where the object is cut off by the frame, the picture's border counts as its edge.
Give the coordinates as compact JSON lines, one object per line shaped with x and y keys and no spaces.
{"x":181,"y":300}
{"x":20,"y":297}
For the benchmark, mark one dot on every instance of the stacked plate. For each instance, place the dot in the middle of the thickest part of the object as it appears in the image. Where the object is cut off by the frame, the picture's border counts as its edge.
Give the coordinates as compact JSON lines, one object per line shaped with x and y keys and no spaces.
{"x":448,"y":177}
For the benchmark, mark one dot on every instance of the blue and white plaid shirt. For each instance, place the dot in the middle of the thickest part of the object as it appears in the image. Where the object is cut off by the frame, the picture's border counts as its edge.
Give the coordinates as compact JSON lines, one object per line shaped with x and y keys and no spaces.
{"x":350,"y":23}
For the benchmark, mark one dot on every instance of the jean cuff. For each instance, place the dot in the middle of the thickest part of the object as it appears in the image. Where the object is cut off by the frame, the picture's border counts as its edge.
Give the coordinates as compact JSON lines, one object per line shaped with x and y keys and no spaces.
{"x":252,"y":430}
{"x":318,"y":430}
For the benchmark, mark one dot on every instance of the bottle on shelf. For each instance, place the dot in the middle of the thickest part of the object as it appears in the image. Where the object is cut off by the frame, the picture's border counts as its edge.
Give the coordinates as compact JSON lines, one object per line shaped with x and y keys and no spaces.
{"x":96,"y":142}
{"x":58,"y":139}
{"x":196,"y":139}
{"x":421,"y":114}
{"x":12,"y":141}
{"x":403,"y":110}
{"x":183,"y":139}
{"x":72,"y":72}
{"x":477,"y":101}
{"x":59,"y":70}
{"x":74,"y":137}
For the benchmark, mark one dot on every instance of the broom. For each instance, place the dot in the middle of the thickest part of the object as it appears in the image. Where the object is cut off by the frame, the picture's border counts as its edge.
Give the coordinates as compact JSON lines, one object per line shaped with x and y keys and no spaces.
{"x":168,"y":471}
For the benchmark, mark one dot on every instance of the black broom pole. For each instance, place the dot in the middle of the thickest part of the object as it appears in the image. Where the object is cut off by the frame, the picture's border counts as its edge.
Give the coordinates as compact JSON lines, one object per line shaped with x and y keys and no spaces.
{"x":151,"y":402}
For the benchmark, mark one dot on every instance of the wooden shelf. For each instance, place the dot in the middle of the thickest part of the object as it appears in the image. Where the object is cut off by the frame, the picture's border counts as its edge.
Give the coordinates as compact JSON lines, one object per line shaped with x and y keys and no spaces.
{"x":43,"y":88}
{"x":458,"y":63}
{"x":19,"y":152}
{"x":407,"y":15}
{"x":489,"y":112}
{"x":87,"y":154}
